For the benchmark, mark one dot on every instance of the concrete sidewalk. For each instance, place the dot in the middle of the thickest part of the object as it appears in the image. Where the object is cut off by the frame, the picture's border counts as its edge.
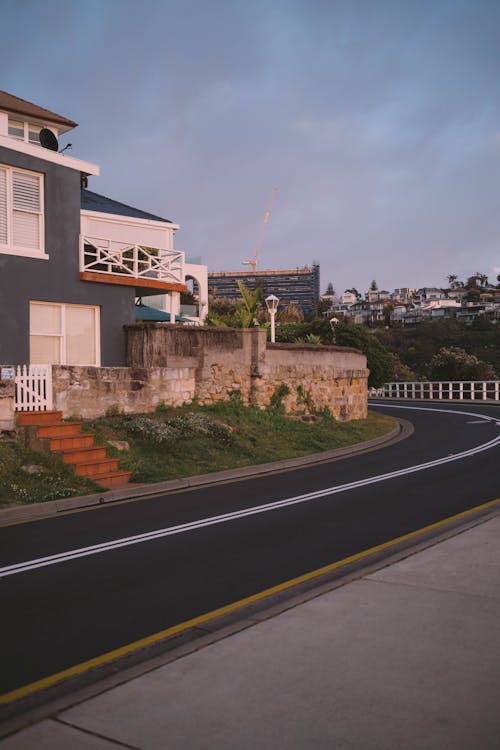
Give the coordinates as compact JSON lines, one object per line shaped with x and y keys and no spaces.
{"x":407,"y":657}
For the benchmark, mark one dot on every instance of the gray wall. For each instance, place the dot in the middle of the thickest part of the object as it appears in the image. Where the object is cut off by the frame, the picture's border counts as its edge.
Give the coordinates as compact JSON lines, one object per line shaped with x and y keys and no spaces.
{"x":57,"y":279}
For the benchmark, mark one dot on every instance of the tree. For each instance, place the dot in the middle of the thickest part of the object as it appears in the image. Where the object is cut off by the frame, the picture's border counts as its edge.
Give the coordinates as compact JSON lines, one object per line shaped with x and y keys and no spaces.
{"x":453,"y":363}
{"x":452,"y":279}
{"x":354,"y":291}
{"x":378,"y":360}
{"x":402,"y":373}
{"x":252,"y":302}
{"x":373,"y":286}
{"x":330,"y":290}
{"x":291,"y":314}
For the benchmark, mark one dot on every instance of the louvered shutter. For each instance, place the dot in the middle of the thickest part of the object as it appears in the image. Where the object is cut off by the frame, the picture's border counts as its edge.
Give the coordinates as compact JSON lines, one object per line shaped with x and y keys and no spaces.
{"x":3,"y":207}
{"x":26,"y":199}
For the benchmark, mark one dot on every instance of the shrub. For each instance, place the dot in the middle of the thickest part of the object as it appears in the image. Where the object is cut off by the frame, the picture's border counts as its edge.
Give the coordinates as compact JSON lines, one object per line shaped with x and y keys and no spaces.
{"x":279,"y":393}
{"x":167,"y":433}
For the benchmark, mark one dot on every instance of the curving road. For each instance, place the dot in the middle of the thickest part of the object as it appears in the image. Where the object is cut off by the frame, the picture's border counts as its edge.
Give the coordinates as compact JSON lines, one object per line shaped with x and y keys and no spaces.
{"x":77,"y":587}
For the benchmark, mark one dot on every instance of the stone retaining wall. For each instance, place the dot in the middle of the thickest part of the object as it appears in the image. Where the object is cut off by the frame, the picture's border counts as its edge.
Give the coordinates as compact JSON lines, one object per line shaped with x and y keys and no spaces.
{"x":177,"y":364}
{"x":91,"y":391}
{"x":317,"y":378}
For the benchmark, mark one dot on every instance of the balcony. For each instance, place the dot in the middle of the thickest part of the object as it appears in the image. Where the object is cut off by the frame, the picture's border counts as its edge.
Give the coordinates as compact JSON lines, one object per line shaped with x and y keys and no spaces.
{"x":113,"y":262}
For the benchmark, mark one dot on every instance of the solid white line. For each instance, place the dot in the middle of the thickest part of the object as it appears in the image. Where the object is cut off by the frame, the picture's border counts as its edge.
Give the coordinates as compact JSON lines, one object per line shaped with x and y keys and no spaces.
{"x":255,"y":510}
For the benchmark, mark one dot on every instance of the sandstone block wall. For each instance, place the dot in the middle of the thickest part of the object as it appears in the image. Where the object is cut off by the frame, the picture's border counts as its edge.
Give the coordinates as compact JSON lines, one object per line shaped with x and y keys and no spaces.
{"x":225,"y":359}
{"x":317,"y":377}
{"x":90,"y":391}
{"x":174,"y":365}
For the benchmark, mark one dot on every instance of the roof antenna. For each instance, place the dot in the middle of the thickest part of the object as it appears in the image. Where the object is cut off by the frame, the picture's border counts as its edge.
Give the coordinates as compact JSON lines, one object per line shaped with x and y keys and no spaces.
{"x":68,"y":145}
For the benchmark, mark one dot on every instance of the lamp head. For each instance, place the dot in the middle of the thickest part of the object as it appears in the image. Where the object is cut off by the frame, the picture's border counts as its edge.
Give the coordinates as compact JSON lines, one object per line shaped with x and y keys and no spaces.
{"x":272,"y":303}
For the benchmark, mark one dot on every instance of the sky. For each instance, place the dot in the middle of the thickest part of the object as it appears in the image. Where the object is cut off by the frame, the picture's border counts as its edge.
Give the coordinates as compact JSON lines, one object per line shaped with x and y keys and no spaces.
{"x":377,"y":120}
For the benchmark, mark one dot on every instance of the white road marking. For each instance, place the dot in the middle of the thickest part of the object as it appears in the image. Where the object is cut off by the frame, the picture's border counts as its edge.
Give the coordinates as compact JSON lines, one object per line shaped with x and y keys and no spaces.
{"x":95,"y":549}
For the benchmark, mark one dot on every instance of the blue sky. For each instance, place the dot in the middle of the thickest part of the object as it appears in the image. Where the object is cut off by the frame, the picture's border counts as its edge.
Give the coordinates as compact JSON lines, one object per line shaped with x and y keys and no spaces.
{"x":378,"y":121}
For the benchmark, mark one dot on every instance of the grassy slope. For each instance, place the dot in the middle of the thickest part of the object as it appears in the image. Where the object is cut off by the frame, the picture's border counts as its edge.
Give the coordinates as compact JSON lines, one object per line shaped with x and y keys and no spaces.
{"x":231,"y":435}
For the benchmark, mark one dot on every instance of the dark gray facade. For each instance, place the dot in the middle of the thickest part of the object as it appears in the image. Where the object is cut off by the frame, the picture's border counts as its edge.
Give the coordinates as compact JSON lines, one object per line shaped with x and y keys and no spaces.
{"x":57,"y":279}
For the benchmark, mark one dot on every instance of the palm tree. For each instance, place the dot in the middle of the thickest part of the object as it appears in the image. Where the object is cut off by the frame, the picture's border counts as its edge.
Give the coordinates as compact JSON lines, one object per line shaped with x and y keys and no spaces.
{"x":452,"y":278}
{"x":252,"y":301}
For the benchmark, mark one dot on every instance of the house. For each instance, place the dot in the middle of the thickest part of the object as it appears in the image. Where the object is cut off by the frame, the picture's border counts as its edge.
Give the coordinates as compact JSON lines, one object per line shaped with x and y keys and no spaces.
{"x":73,"y":262}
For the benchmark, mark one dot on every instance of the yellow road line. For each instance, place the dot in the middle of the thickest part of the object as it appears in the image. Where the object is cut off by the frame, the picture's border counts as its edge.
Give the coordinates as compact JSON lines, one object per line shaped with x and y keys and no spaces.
{"x":150,"y":640}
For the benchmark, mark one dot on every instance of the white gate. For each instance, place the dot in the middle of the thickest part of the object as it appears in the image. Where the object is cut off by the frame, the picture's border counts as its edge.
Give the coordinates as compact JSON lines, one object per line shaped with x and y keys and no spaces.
{"x":33,"y":388}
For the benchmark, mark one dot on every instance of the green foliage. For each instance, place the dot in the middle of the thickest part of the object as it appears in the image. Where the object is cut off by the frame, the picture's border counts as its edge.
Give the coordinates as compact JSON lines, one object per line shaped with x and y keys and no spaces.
{"x":379,"y":362}
{"x":52,"y":481}
{"x":401,"y":372}
{"x":162,"y":408}
{"x":235,"y":397}
{"x":252,"y":302}
{"x":246,"y":312}
{"x":415,"y":347}
{"x":167,"y":433}
{"x":304,"y":397}
{"x":453,"y":363}
{"x":378,"y":359}
{"x":291,"y":332}
{"x":279,"y":394}
{"x":113,"y":410}
{"x":256,"y":436}
{"x":310,"y":338}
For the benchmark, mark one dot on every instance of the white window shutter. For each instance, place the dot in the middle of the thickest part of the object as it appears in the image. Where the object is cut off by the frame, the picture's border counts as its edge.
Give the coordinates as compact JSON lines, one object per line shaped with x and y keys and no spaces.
{"x":3,"y":207}
{"x":25,"y":191}
{"x":26,"y":198}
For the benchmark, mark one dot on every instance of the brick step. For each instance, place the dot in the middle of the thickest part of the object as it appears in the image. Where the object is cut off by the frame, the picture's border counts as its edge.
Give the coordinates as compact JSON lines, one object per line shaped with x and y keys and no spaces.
{"x":37,"y":417}
{"x":112,"y":478}
{"x":99,"y":466}
{"x":59,"y":429}
{"x":71,"y":442}
{"x":83,"y":455}
{"x":75,"y":447}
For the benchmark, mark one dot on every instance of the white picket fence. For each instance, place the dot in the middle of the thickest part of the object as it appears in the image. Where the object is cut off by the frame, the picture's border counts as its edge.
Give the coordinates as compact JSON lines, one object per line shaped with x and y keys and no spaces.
{"x":456,"y":390}
{"x":33,"y":388}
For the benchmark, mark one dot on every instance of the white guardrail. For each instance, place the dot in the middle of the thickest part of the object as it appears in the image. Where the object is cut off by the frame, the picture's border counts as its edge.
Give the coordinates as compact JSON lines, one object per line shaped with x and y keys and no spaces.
{"x":455,"y":390}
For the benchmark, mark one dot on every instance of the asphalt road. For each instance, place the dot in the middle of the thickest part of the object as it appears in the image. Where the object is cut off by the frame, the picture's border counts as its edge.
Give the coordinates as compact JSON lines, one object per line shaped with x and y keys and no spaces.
{"x":213,"y":546}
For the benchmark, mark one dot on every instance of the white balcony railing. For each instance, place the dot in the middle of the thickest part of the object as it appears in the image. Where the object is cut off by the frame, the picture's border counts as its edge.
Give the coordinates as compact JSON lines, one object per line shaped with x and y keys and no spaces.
{"x":456,"y":390}
{"x":100,"y":255}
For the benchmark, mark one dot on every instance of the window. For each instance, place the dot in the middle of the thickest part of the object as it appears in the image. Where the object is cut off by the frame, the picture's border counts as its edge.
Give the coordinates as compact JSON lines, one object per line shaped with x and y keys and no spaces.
{"x":64,"y":334}
{"x":25,"y":131}
{"x":21,"y":212}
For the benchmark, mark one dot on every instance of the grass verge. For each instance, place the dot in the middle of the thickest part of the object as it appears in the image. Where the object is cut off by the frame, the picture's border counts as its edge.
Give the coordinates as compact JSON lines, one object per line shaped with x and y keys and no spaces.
{"x":179,"y":442}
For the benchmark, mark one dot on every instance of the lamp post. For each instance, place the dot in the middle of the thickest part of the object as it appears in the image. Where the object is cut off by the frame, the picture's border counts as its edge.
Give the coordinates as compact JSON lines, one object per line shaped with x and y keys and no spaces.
{"x":272,"y":305}
{"x":333,"y":323}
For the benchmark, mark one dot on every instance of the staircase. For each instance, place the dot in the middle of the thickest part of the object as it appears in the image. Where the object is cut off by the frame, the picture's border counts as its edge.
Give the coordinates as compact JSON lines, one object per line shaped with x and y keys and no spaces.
{"x":75,"y":447}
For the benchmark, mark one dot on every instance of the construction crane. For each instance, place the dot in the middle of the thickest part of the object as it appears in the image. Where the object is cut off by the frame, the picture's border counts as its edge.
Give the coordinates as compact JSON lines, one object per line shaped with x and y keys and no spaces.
{"x":253,"y":262}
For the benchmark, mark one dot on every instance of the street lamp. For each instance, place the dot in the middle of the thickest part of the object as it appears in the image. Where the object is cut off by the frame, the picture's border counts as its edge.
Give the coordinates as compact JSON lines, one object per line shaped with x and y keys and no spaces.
{"x":272,"y":305}
{"x":333,"y":323}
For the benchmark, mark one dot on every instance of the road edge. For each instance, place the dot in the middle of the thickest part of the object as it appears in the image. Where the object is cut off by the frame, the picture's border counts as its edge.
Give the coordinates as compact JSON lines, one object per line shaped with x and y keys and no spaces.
{"x":39,"y":511}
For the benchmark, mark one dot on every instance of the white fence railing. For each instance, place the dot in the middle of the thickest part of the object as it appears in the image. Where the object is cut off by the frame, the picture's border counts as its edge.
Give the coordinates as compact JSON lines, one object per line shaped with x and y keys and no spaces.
{"x":107,"y":256}
{"x":33,"y":388}
{"x":456,"y":390}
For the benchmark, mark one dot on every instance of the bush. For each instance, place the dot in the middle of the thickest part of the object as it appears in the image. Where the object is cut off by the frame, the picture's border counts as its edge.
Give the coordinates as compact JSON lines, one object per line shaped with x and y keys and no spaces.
{"x":279,"y":393}
{"x":378,"y":359}
{"x":169,"y":432}
{"x":453,"y":363}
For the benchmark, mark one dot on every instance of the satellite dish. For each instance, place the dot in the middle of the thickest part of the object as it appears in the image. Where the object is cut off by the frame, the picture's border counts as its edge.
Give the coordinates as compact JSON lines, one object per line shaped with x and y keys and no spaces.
{"x":48,"y":139}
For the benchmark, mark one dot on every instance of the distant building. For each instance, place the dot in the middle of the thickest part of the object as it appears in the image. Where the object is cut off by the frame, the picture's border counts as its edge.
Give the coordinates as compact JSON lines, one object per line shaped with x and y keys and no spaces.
{"x":299,"y":286}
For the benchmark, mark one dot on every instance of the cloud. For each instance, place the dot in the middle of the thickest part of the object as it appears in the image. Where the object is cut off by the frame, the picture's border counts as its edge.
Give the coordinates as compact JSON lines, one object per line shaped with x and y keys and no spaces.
{"x":374,"y":119}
